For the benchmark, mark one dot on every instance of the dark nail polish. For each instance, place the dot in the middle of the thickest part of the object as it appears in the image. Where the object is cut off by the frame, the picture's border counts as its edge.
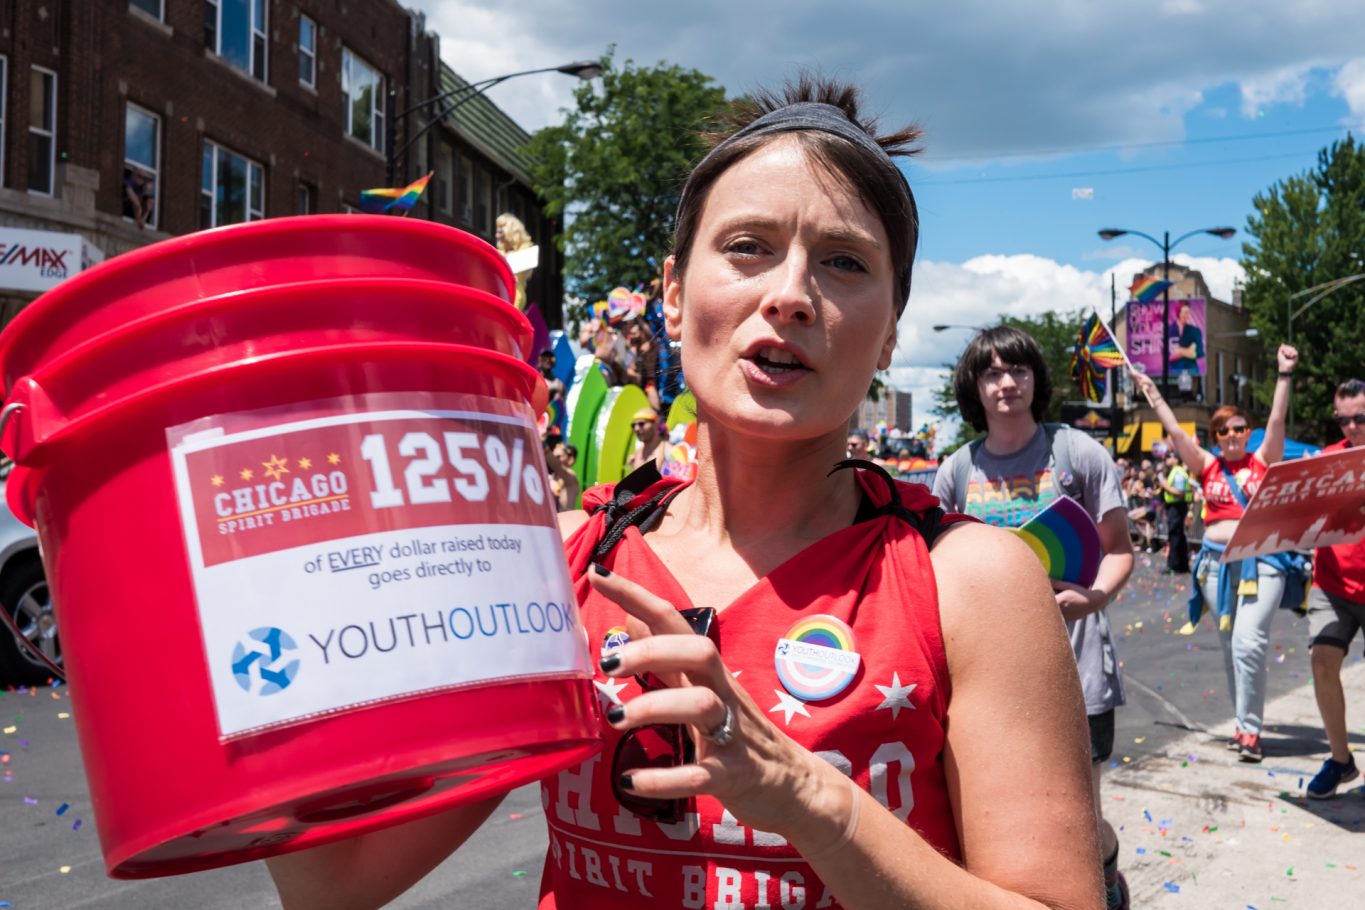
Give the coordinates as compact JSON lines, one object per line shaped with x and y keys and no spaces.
{"x":625,"y":783}
{"x":616,"y":714}
{"x":610,"y":662}
{"x":601,"y":570}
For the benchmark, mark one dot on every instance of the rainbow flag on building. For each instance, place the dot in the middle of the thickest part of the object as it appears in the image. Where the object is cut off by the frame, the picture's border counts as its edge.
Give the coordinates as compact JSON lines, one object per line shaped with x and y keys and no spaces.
{"x":1095,"y":352}
{"x":384,"y":201}
{"x":1146,"y":288}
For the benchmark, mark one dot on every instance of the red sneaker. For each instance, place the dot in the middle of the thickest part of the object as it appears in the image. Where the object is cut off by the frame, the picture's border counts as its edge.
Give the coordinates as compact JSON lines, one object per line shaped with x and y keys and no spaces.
{"x":1251,"y":747}
{"x":1235,"y":744}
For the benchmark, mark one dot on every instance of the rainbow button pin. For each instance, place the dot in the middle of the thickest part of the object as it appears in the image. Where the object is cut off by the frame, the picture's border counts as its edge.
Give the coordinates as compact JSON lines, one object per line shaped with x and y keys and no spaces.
{"x":816,"y":659}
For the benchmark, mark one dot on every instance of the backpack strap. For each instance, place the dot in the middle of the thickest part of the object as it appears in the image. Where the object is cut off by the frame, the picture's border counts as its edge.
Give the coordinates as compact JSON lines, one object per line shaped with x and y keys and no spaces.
{"x":962,"y":473}
{"x":1059,"y":439}
{"x":620,"y":515}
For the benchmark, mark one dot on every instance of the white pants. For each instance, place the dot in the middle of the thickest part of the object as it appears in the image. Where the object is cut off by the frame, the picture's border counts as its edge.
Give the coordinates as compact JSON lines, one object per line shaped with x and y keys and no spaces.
{"x":1245,"y":646}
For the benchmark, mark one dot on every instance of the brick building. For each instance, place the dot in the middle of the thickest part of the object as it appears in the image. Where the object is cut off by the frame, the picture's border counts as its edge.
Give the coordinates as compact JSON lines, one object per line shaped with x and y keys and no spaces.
{"x":894,"y":408}
{"x":130,"y":121}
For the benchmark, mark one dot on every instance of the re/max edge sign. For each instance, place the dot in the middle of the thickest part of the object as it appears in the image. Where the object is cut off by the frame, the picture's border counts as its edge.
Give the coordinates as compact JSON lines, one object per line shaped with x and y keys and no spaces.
{"x":40,"y":260}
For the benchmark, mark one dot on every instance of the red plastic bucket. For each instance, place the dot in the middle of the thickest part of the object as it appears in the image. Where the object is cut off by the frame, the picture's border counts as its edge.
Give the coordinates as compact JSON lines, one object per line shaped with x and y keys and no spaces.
{"x":230,"y":483}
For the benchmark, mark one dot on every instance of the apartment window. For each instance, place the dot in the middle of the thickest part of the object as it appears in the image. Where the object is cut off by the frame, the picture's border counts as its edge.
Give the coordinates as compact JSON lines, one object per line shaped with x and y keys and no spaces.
{"x":232,"y":188}
{"x":363,"y":88}
{"x":42,"y":132}
{"x":4,"y":112}
{"x":235,"y":31}
{"x":445,"y":178}
{"x":141,"y":165}
{"x":305,"y":199}
{"x":465,"y":186}
{"x":483,"y":201}
{"x":308,"y":52}
{"x":152,"y":8}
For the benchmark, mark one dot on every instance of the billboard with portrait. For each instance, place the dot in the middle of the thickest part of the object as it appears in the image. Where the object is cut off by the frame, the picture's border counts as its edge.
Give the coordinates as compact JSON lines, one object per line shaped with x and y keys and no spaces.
{"x":1188,"y":353}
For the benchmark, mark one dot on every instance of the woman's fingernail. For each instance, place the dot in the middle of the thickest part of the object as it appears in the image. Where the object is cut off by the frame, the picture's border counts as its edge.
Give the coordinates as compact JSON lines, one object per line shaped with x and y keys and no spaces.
{"x":625,"y":782}
{"x":601,"y":570}
{"x":616,"y":714}
{"x":610,"y":662}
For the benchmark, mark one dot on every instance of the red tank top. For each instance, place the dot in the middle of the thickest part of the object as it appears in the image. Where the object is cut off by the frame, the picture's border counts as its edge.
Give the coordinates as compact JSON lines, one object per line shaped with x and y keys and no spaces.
{"x":1340,"y":569}
{"x":885,"y":729}
{"x":1220,"y":504}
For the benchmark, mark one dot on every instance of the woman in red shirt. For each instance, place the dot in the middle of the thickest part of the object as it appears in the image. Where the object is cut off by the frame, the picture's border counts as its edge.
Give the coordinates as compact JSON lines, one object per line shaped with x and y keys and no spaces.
{"x":1244,"y":594}
{"x":850,"y":729}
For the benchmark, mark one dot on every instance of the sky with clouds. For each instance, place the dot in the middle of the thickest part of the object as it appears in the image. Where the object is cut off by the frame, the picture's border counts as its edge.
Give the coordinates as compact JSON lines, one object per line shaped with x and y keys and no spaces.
{"x":1043,"y":122}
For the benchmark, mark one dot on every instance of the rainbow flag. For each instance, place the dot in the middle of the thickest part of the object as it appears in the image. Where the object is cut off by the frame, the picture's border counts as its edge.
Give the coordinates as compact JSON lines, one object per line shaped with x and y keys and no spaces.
{"x":1145,"y":289}
{"x":385,"y":201}
{"x":1095,"y":351}
{"x":1065,"y":539}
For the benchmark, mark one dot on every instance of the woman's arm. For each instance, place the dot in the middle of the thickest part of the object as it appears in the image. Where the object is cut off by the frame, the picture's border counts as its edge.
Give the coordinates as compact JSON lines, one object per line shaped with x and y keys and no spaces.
{"x":1029,"y":841}
{"x":1272,"y":446}
{"x":373,"y":869}
{"x":1194,"y":457}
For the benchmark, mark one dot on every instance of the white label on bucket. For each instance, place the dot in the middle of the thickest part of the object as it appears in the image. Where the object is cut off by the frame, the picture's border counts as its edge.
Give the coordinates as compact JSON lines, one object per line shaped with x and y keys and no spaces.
{"x":342,"y":559}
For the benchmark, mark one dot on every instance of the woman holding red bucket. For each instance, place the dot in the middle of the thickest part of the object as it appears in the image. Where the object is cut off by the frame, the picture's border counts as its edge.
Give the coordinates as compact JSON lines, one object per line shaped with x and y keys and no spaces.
{"x":815,"y":714}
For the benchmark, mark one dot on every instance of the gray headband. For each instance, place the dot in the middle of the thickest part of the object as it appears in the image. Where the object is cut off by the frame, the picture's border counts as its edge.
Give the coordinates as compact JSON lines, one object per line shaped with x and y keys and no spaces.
{"x":825,"y":118}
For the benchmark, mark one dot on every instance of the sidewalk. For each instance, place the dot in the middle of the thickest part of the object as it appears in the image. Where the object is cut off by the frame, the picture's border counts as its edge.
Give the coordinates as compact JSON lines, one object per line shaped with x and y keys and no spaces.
{"x":1198,"y":828}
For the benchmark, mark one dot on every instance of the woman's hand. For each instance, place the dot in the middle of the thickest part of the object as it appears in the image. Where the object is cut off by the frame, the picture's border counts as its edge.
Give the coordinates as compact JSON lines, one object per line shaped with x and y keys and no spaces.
{"x":1145,"y":386}
{"x":1075,"y":601}
{"x":1287,"y":358}
{"x":763,"y":778}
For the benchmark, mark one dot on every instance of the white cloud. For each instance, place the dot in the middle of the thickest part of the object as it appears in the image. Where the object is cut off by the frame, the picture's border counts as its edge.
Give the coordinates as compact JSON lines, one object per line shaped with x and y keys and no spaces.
{"x":983,"y":77}
{"x":1350,"y":85}
{"x":1288,"y":85}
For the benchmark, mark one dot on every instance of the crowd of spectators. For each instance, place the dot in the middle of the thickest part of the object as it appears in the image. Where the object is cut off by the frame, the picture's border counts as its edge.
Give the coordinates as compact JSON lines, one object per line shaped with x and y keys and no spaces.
{"x":1163,"y":505}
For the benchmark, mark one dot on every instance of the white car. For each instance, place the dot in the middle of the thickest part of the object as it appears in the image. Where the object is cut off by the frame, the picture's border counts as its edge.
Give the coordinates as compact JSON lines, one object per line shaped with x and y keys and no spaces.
{"x":24,"y":596}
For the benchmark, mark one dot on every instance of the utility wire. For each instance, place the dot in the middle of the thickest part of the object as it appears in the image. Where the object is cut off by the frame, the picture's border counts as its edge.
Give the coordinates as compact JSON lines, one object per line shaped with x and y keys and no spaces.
{"x":1024,"y":178}
{"x":1083,"y":149}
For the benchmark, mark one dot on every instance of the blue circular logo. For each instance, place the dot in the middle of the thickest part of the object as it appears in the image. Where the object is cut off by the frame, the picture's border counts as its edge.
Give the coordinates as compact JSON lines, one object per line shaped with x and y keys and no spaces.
{"x":265,"y":667}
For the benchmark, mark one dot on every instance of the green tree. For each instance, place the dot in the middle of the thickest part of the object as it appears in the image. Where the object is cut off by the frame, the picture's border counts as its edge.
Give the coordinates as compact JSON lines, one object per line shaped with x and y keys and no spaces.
{"x":614,"y":168}
{"x":1308,"y":229}
{"x":1055,"y":333}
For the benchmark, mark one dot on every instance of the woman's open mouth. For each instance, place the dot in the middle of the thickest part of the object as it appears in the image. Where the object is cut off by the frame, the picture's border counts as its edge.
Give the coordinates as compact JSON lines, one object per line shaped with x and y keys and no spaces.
{"x":773,"y":366}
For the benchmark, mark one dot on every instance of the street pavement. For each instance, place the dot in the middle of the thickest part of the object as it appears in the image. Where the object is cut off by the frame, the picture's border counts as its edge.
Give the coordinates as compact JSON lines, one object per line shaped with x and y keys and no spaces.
{"x":1197,"y":828}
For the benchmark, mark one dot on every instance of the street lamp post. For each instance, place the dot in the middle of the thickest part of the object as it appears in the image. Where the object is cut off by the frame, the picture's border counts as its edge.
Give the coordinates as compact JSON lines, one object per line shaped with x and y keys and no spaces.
{"x":1322,"y":290}
{"x":1166,"y":246}
{"x":583,"y":69}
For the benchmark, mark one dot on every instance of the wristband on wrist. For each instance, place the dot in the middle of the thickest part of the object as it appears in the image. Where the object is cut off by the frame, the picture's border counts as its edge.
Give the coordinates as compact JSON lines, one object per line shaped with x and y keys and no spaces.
{"x":1285,"y":374}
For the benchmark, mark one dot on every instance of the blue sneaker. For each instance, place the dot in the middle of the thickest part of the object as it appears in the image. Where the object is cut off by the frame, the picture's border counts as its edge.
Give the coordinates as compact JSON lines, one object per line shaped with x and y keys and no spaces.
{"x":1332,"y":775}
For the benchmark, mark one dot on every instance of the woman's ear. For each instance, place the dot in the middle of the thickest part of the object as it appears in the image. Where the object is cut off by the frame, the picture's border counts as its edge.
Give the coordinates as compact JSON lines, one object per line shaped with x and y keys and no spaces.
{"x":888,"y":350}
{"x":672,"y":299}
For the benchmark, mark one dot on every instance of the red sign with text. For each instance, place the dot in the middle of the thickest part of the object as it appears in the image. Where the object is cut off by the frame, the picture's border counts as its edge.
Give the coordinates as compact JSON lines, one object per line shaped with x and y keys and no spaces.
{"x":1302,"y":505}
{"x":331,"y":478}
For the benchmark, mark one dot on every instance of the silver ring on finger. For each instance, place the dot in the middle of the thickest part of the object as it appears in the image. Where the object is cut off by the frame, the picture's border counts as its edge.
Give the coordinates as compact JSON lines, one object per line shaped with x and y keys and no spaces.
{"x":724,"y":732}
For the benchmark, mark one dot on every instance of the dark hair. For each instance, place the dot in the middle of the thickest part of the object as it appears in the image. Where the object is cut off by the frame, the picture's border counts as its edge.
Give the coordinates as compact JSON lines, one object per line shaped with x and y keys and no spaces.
{"x":1351,"y":388}
{"x":860,"y":433}
{"x":1221,"y":417}
{"x":1014,"y":348}
{"x":882,"y":189}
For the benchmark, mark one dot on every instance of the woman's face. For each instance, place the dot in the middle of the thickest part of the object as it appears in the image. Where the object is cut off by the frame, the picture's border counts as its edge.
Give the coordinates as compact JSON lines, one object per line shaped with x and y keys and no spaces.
{"x":785,"y":309}
{"x":1232,"y":438}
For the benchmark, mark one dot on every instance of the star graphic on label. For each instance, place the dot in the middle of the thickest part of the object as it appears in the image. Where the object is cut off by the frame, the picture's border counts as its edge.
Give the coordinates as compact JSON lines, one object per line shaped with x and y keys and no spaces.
{"x":788,"y":706}
{"x":305,"y":464}
{"x":246,"y":474}
{"x":216,"y":480}
{"x":897,"y":696}
{"x":609,"y":692}
{"x":334,"y":458}
{"x":276,"y":467}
